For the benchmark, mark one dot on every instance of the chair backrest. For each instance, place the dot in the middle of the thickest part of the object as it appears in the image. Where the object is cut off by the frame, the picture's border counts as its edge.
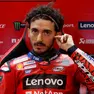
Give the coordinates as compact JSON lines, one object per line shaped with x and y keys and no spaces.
{"x":23,"y":46}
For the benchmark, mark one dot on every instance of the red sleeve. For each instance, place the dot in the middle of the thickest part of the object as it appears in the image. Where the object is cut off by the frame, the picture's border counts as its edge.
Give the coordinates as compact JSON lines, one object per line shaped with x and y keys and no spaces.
{"x":7,"y":79}
{"x":85,"y":71}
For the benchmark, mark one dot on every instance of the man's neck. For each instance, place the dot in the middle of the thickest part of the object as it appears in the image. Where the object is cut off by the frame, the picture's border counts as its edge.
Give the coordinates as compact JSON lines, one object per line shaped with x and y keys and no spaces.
{"x":46,"y":55}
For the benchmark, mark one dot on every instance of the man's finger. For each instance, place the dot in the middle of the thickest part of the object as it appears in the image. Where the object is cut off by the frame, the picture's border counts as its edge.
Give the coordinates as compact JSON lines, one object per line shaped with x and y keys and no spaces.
{"x":65,"y":38}
{"x":62,"y":39}
{"x":58,"y":38}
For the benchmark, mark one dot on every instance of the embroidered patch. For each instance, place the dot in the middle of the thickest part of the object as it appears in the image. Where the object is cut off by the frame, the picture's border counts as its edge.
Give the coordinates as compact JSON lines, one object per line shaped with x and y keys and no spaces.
{"x":58,"y":68}
{"x":19,"y":66}
{"x":5,"y":67}
{"x":27,"y":71}
{"x":65,"y":62}
{"x":29,"y":62}
{"x":20,"y":59}
{"x":30,"y":67}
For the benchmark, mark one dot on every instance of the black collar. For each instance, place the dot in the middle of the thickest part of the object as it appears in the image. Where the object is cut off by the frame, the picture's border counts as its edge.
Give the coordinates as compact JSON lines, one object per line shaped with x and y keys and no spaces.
{"x":47,"y":56}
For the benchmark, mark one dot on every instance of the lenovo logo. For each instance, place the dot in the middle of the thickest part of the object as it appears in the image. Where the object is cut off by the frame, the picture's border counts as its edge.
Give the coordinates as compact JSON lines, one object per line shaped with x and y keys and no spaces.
{"x":86,"y":25}
{"x":44,"y":81}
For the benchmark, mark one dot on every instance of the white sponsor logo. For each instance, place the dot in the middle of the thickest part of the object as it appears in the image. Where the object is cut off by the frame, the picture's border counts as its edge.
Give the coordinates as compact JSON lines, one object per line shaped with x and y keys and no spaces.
{"x":20,"y":59}
{"x":28,"y":92}
{"x":86,"y":41}
{"x":14,"y":40}
{"x":30,"y":66}
{"x":85,"y":70}
{"x":27,"y":71}
{"x":29,"y":62}
{"x":47,"y":81}
{"x":2,"y":25}
{"x":58,"y":68}
{"x":86,"y":56}
{"x":43,"y":92}
{"x":68,"y":25}
{"x":86,"y":25}
{"x":5,"y":67}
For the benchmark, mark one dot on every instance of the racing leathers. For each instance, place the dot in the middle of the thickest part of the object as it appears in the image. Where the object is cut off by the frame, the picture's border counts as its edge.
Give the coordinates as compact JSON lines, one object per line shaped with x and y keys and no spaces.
{"x":57,"y":73}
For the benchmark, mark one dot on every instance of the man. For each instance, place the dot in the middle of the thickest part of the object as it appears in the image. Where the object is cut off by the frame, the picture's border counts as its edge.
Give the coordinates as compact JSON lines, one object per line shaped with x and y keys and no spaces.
{"x":44,"y":70}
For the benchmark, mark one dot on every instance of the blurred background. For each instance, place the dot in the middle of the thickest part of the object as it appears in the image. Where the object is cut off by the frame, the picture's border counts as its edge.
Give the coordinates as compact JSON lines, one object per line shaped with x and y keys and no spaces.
{"x":78,"y":21}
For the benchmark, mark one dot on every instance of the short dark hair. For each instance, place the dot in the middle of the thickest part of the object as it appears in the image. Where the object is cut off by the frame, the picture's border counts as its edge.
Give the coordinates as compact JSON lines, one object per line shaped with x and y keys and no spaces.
{"x":48,"y":13}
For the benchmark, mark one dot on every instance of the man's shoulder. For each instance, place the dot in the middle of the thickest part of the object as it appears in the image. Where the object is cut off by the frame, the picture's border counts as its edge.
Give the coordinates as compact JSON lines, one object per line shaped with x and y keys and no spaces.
{"x":65,"y":56}
{"x":20,"y":59}
{"x":6,"y":67}
{"x":66,"y":59}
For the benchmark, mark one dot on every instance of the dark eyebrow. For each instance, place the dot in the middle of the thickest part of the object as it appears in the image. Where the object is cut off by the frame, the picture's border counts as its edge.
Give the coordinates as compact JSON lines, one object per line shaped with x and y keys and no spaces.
{"x":34,"y":29}
{"x":47,"y":30}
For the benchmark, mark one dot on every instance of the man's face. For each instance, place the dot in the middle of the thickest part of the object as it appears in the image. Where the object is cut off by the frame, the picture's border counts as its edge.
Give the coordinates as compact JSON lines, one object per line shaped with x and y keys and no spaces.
{"x":41,"y":34}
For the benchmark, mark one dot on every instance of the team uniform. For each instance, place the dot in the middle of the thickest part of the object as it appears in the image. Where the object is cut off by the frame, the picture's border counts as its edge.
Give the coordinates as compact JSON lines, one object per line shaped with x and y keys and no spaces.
{"x":57,"y":74}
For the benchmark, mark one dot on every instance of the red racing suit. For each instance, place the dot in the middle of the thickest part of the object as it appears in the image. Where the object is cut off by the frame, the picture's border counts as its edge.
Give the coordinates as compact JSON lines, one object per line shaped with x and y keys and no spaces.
{"x":63,"y":74}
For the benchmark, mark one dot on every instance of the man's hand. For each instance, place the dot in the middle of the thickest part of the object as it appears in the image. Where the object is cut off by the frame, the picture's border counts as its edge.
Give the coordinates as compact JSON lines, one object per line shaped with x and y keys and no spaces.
{"x":64,"y":41}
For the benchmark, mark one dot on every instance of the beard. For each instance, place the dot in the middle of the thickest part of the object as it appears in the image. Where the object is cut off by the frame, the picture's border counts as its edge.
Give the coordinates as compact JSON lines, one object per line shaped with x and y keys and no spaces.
{"x":42,"y":44}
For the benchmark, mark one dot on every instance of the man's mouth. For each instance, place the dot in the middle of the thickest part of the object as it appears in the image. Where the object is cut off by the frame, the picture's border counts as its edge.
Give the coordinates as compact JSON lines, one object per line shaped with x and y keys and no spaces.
{"x":39,"y":44}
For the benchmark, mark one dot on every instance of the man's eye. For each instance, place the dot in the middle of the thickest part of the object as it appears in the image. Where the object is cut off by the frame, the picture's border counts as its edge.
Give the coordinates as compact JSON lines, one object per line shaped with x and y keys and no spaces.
{"x":47,"y":32}
{"x":34,"y":30}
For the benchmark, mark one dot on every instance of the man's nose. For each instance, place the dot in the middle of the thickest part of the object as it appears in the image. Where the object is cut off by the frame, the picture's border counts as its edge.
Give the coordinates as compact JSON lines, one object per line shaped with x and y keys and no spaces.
{"x":39,"y":37}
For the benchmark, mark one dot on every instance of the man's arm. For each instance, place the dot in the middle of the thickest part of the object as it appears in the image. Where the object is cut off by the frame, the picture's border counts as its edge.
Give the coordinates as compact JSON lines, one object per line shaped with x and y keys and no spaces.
{"x":85,"y":63}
